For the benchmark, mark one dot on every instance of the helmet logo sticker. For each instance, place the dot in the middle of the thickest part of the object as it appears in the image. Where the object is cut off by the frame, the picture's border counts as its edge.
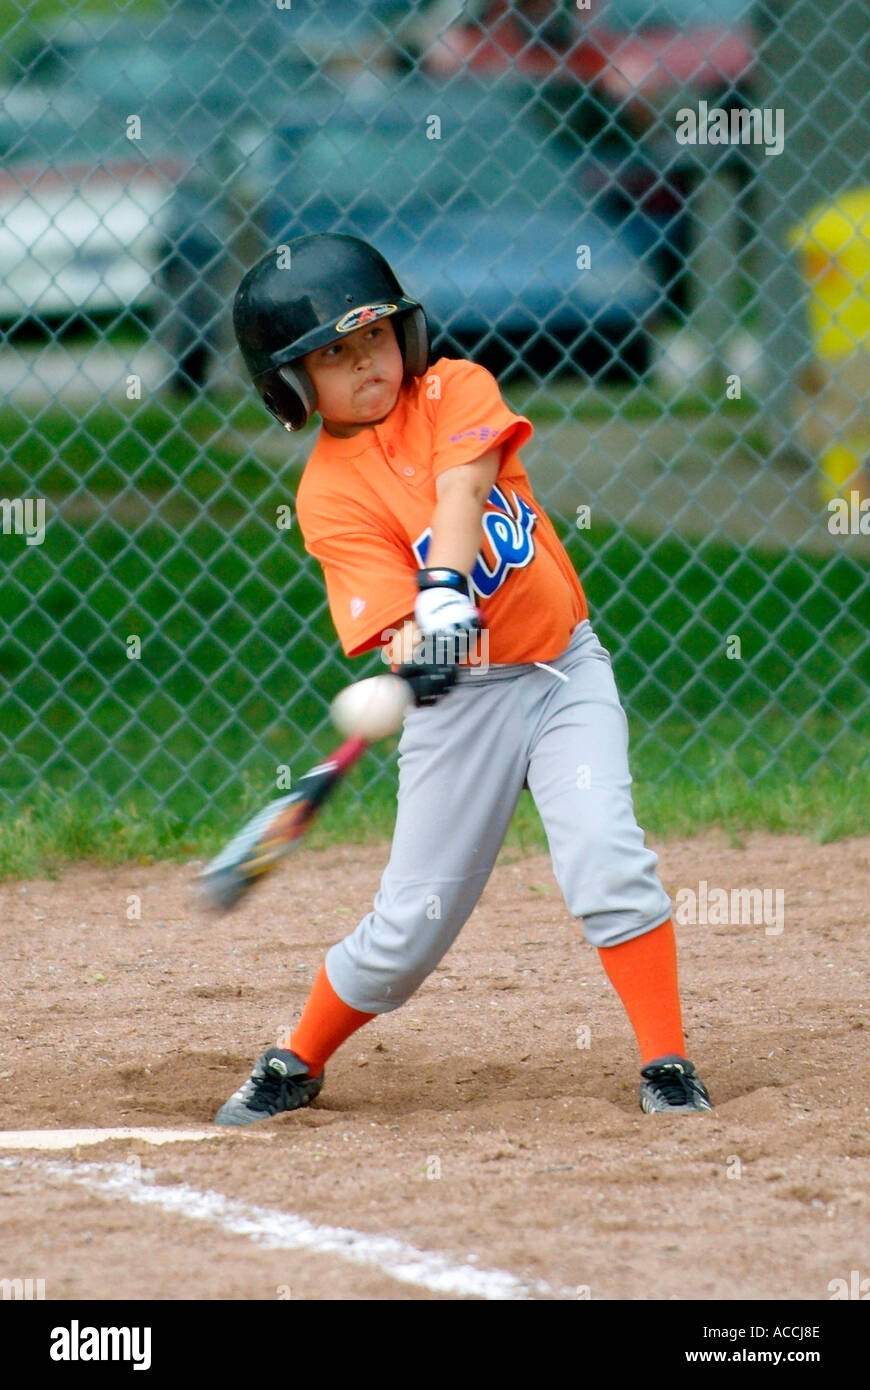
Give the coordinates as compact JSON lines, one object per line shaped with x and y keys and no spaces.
{"x":366,"y":314}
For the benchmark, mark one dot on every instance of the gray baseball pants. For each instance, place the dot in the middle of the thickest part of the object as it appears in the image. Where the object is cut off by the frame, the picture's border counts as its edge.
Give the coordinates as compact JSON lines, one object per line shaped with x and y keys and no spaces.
{"x":462,"y":765}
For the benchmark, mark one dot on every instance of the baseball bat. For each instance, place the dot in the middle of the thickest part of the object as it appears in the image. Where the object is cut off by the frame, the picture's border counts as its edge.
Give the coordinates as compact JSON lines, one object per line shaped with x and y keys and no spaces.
{"x":272,"y":832}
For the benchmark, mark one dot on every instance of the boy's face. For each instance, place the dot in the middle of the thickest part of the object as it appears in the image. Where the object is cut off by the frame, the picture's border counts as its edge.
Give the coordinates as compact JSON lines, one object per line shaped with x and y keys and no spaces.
{"x":357,"y":378}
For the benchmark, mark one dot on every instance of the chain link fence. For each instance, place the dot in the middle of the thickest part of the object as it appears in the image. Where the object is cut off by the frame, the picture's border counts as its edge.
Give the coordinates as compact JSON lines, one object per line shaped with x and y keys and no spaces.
{"x":650,"y":220}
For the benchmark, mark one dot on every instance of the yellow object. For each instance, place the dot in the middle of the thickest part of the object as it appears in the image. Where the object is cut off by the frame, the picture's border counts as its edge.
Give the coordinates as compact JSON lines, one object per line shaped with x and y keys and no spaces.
{"x":843,"y":467}
{"x":834,"y":242}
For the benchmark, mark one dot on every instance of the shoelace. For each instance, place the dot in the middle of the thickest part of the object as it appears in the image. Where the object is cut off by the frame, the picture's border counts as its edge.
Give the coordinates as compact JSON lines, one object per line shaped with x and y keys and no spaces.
{"x":267,"y":1090}
{"x":674,"y":1085}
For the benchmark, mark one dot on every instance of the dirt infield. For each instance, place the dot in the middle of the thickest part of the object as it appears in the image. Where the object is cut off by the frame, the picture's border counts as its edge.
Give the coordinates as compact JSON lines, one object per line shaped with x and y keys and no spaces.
{"x":502,"y":1155}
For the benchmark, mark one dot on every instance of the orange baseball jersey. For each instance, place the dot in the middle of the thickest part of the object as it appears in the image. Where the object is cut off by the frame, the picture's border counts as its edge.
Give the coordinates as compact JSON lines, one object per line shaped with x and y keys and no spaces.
{"x":365,"y":508}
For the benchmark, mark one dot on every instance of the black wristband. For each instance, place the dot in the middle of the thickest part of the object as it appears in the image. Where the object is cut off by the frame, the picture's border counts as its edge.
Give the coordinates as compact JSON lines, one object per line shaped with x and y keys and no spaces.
{"x":439,"y":578}
{"x":430,"y":682}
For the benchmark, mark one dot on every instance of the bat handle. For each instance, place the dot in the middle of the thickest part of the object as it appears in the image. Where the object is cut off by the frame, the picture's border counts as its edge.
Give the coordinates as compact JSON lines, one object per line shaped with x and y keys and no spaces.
{"x":347,"y":754}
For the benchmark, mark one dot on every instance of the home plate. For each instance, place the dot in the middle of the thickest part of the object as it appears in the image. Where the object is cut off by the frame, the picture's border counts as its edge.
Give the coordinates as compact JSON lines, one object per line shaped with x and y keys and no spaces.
{"x":72,"y":1138}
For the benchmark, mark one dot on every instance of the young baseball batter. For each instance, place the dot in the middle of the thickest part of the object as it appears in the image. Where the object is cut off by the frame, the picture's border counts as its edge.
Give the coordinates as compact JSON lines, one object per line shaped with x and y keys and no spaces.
{"x":418,"y":509}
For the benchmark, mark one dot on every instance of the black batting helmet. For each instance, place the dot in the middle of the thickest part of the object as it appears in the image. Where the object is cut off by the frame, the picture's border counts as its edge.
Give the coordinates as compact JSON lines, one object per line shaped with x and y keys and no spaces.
{"x":307,"y":293}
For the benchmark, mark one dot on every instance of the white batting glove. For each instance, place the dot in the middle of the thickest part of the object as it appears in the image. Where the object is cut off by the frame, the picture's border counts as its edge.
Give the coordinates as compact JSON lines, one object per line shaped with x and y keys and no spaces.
{"x":445,"y":610}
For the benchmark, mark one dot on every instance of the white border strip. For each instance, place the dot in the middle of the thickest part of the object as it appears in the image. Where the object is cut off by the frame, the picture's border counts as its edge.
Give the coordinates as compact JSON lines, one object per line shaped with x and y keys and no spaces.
{"x":281,"y":1230}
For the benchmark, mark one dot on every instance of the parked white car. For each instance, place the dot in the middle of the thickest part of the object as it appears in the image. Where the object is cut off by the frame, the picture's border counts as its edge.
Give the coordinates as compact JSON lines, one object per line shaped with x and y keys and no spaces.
{"x":80,"y":238}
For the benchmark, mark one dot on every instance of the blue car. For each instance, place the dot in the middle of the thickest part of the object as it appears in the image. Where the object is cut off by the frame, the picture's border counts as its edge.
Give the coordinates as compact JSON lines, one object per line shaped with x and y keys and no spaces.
{"x":481,"y":214}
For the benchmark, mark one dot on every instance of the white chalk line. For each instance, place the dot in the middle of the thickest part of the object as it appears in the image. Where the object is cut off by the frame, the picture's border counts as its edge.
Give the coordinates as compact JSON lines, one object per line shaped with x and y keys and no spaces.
{"x":280,"y":1230}
{"x":48,"y":1139}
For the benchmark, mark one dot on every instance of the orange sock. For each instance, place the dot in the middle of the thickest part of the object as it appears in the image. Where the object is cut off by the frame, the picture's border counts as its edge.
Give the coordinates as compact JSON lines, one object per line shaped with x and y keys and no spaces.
{"x":325,"y":1024}
{"x":643,"y":972}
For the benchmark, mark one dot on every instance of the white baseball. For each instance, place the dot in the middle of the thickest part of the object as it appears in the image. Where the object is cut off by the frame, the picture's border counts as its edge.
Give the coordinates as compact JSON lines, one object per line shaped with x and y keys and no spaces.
{"x":372,"y":708}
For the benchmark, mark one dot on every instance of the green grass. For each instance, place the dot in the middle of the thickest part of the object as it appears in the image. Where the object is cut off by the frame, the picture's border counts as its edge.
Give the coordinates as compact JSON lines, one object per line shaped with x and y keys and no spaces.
{"x":53,"y":831}
{"x":22,"y":20}
{"x":139,"y":449}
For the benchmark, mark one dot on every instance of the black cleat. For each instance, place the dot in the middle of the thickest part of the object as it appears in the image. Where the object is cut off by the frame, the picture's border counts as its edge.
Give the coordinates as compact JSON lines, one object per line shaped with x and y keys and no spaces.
{"x":669,"y":1083}
{"x":280,"y":1081}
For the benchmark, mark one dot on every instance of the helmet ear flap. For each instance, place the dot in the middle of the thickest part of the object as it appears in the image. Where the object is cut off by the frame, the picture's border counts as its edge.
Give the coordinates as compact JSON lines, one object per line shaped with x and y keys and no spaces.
{"x":300,"y":385}
{"x":288,"y":393}
{"x":412,"y":332}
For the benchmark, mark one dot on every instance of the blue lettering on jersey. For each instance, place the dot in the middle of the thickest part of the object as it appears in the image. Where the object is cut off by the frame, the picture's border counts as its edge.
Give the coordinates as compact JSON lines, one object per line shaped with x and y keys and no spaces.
{"x":509,"y":532}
